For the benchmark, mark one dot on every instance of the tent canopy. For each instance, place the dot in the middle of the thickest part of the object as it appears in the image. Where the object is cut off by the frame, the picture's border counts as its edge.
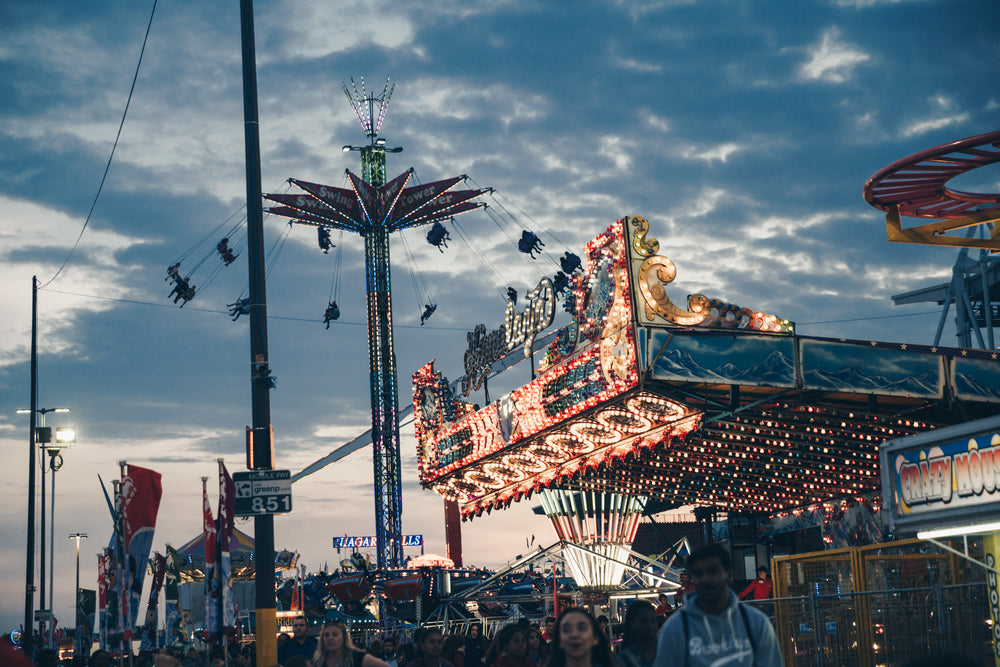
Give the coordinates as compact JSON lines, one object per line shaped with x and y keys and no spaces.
{"x":192,"y":553}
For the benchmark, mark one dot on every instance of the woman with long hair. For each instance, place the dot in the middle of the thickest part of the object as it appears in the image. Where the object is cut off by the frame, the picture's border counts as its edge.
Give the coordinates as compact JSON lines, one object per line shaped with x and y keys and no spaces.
{"x":336,"y":649}
{"x":430,"y":645}
{"x":537,"y":647}
{"x":579,"y":641}
{"x":639,"y":635}
{"x":510,"y":648}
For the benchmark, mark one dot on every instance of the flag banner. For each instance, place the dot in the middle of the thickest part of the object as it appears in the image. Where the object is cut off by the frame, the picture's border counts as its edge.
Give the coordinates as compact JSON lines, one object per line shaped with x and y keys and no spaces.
{"x":227,"y":506}
{"x":176,"y":633}
{"x":102,"y":592}
{"x":211,"y":589}
{"x":148,"y":639}
{"x":117,"y":597}
{"x":140,"y":492}
{"x":86,"y":602}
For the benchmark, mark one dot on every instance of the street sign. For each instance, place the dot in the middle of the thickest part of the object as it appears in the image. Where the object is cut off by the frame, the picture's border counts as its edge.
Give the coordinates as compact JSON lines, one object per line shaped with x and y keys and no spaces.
{"x":43,"y":615}
{"x":263,"y":492}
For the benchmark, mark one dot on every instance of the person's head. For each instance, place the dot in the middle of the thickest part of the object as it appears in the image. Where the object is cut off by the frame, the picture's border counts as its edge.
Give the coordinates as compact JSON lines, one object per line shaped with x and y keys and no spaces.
{"x":100,"y":658}
{"x":452,"y":645}
{"x":334,"y":640}
{"x":299,"y":628}
{"x":550,"y":625}
{"x":535,"y":640}
{"x":283,"y":637}
{"x":763,"y":572}
{"x":48,"y":657}
{"x":711,"y":569}
{"x":405,"y":653}
{"x":579,"y":638}
{"x":430,"y":644}
{"x":389,"y":646}
{"x":602,"y":621}
{"x":662,"y":598}
{"x":474,"y":630}
{"x":375,"y":648}
{"x":513,"y":641}
{"x":216,"y":654}
{"x":640,"y":624}
{"x":685,"y":577}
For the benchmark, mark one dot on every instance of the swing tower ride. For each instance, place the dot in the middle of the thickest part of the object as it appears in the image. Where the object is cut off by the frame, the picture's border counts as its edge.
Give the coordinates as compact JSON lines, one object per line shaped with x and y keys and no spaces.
{"x":374,"y":208}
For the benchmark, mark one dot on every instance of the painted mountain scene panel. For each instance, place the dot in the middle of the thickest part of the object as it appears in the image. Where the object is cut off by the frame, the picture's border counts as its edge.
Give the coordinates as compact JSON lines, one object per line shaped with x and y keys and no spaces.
{"x":753,"y":360}
{"x":977,"y":379}
{"x":856,"y":369}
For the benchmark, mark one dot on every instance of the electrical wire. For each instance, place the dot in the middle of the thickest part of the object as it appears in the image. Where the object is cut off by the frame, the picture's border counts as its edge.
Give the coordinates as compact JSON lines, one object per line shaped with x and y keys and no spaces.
{"x":270,"y":316}
{"x":107,"y":167}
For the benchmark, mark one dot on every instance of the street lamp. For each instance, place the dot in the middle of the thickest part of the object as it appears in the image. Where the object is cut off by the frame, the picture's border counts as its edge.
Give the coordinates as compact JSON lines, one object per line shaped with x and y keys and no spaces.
{"x":65,"y":436}
{"x":42,"y":435}
{"x":78,"y":644}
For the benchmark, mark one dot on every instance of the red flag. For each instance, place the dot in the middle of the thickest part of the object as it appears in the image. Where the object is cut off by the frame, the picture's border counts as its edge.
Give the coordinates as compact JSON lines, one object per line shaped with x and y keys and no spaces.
{"x":141,"y":492}
{"x":140,"y":495}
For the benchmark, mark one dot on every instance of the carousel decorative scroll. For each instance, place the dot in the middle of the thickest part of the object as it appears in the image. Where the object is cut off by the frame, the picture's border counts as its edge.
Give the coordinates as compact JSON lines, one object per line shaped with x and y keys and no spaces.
{"x":662,"y":271}
{"x":642,"y":246}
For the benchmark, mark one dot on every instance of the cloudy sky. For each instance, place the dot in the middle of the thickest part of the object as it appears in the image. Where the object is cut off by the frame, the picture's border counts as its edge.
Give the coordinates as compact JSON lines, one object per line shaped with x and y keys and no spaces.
{"x":743,"y":131}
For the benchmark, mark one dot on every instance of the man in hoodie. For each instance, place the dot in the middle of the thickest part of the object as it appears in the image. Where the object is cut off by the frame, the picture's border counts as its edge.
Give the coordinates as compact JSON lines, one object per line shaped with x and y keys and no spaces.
{"x":713,"y":627}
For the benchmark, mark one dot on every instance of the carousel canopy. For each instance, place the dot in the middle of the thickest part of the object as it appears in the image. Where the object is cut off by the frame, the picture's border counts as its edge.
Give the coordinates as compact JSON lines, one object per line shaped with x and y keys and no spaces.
{"x":713,"y":404}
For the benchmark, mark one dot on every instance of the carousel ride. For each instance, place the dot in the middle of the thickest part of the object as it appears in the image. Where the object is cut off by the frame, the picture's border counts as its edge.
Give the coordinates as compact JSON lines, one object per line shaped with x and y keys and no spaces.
{"x":640,"y":400}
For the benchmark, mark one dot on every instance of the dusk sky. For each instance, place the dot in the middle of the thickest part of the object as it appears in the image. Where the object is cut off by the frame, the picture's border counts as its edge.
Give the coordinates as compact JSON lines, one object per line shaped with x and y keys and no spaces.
{"x":742,"y":131}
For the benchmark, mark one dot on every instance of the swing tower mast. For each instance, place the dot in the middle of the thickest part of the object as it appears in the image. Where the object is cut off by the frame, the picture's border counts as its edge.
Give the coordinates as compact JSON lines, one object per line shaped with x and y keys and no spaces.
{"x":374,"y":208}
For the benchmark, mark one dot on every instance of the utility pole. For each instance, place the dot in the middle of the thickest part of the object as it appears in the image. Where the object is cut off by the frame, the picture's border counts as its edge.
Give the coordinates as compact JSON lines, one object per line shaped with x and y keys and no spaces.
{"x":29,"y":575}
{"x":260,"y":454}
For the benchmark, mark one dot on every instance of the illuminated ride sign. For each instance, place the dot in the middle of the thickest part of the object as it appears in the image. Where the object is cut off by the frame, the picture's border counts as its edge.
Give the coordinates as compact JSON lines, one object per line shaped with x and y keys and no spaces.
{"x":941,"y":478}
{"x":586,"y":407}
{"x":518,"y":329}
{"x":368,"y":542}
{"x":708,"y":403}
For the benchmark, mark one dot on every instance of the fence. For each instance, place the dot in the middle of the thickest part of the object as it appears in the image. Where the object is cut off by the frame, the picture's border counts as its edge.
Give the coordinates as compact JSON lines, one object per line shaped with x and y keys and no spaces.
{"x":879,"y":605}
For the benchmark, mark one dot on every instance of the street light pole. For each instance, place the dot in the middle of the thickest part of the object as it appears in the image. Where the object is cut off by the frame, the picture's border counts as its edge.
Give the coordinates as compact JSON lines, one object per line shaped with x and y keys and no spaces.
{"x":64,"y":436}
{"x":78,"y":643}
{"x":54,"y":455}
{"x":40,"y":435}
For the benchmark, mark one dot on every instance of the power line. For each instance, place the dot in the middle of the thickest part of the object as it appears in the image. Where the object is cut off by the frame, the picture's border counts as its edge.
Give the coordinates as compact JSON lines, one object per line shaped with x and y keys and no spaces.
{"x":865,"y":319}
{"x":107,"y":167}
{"x":138,"y":302}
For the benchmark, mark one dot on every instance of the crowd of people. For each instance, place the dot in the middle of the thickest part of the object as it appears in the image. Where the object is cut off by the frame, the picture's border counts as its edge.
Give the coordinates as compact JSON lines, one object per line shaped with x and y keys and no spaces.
{"x":708,"y":624}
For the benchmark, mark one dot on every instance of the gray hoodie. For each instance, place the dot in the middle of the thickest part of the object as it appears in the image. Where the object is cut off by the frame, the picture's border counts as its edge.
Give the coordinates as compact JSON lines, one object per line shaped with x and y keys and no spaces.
{"x":717,"y":640}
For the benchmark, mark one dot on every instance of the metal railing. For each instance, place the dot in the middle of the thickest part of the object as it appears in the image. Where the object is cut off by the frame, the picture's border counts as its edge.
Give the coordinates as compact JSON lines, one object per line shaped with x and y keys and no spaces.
{"x":883,"y":627}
